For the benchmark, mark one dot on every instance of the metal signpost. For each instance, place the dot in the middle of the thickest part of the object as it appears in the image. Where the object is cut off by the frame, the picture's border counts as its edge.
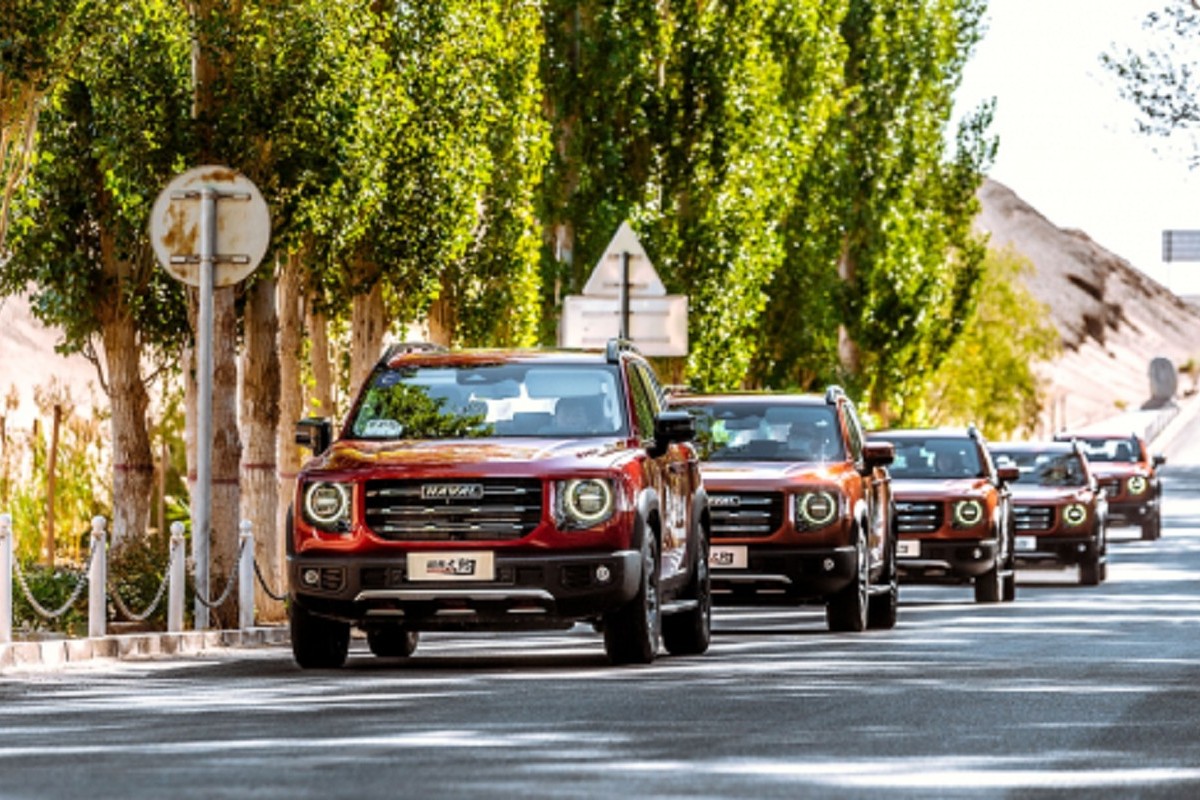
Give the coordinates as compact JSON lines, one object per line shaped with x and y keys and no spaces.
{"x":194,"y":211}
{"x":625,"y":297}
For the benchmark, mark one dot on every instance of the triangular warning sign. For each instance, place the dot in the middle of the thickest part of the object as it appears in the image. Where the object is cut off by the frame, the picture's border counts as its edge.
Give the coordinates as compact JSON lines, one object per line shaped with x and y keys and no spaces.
{"x":607,"y":277}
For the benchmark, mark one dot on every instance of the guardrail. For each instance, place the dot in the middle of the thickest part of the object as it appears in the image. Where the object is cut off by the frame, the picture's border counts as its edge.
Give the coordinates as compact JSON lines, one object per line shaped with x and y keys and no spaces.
{"x":95,"y":577}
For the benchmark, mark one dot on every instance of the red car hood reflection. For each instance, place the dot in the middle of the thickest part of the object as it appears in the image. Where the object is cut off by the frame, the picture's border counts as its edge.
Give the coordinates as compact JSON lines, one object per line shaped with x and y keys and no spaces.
{"x":1047,"y":494}
{"x":459,"y":455}
{"x":764,"y":474}
{"x":937,"y":488}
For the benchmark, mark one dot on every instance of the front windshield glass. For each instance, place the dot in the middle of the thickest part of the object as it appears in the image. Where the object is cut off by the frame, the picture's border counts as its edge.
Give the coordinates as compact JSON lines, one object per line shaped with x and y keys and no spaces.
{"x":766,"y":431}
{"x":505,"y":400}
{"x":1042,"y":468}
{"x":935,"y":457}
{"x":1111,"y":449}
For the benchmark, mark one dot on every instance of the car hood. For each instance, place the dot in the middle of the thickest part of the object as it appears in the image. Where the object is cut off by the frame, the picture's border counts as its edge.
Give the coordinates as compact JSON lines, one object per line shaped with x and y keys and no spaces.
{"x":466,"y":456}
{"x":938,"y":488}
{"x":1049,"y":494}
{"x":1117,"y":469}
{"x":762,"y":475}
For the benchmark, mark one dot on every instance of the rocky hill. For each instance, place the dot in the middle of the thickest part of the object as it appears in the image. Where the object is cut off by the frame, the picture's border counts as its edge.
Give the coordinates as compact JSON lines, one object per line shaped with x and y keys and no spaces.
{"x":1113,"y":319}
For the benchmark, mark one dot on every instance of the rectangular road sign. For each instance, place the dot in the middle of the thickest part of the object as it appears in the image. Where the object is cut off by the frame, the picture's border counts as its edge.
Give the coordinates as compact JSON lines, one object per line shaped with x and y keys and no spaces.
{"x":657,"y":325}
{"x":1181,"y":246}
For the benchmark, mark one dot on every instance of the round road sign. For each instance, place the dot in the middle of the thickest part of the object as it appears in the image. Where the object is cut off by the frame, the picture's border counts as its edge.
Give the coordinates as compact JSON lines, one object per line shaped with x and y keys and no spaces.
{"x":243,"y":225}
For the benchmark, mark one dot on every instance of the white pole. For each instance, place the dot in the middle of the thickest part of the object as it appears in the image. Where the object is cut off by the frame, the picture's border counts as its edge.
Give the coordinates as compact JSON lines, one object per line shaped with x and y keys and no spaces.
{"x":177,"y":580}
{"x":246,"y":576}
{"x":6,"y":571}
{"x":204,"y":375}
{"x":97,"y":579}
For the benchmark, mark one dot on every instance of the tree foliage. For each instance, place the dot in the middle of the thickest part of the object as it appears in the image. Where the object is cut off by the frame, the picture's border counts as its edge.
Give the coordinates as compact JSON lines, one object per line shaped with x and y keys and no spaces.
{"x":1163,"y":81}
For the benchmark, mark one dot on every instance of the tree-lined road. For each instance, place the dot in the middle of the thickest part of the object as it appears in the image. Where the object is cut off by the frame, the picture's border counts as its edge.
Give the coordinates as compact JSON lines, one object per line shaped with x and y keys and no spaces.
{"x":1069,"y":691}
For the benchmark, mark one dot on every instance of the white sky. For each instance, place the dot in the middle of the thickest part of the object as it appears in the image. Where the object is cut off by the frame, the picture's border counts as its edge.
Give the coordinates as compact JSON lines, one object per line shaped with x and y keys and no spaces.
{"x":1067,"y":141}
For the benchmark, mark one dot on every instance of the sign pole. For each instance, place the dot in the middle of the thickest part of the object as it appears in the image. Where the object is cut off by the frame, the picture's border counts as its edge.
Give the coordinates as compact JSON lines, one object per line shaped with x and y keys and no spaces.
{"x":624,"y":332}
{"x":204,"y":373}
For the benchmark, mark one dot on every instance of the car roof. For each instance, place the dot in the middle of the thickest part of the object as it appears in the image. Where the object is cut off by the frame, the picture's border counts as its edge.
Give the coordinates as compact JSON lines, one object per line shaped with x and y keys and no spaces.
{"x":921,"y":433}
{"x":747,"y":398}
{"x":1094,"y":435}
{"x":481,"y":357}
{"x":1032,"y":447}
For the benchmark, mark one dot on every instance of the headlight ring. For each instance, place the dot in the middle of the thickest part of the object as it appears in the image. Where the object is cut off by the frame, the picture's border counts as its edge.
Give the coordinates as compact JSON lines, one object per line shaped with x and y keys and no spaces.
{"x":968,"y":513}
{"x":585,"y":502}
{"x":1075,"y":514}
{"x":1137,"y":484}
{"x":327,"y":505}
{"x":816,"y":509}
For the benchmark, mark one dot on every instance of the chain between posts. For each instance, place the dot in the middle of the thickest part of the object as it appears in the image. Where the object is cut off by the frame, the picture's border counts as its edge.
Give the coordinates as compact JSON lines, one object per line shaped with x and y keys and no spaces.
{"x":228,"y":585}
{"x":119,"y":603}
{"x":279,"y":598}
{"x":58,"y":612}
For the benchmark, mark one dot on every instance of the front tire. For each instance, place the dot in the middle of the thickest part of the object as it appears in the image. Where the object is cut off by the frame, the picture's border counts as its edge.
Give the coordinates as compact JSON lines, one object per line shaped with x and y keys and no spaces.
{"x":846,"y":610}
{"x":632,"y":633}
{"x":392,"y":642}
{"x":989,"y":587}
{"x":883,"y":608}
{"x":317,"y":642}
{"x":1152,"y":528}
{"x":689,"y":633}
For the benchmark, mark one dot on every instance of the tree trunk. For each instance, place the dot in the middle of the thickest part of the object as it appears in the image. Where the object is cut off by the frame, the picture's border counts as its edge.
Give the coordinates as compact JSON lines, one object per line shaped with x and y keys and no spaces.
{"x":260,"y":423}
{"x":291,"y":406}
{"x":367,"y":327}
{"x":133,"y":461}
{"x":322,"y":398}
{"x":443,"y":319}
{"x":848,"y":353}
{"x":226,"y":455}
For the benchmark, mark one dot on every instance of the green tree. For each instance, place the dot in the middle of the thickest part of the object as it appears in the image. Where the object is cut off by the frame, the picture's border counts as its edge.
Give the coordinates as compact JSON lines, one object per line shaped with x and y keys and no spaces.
{"x":881,"y":260}
{"x":990,"y":374}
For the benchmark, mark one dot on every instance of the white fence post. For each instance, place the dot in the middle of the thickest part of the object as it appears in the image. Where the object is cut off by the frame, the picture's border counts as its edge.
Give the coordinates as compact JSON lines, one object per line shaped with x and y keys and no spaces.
{"x":98,"y":581}
{"x":176,"y":580}
{"x":246,"y":576}
{"x":6,"y":571}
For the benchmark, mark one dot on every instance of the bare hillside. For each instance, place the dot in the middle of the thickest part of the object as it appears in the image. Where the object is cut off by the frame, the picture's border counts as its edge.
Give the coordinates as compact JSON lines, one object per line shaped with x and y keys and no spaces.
{"x":1113,"y":319}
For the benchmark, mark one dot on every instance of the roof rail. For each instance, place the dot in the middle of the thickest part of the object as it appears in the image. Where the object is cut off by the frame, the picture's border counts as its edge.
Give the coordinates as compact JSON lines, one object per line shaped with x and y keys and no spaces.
{"x":832,"y":393}
{"x":403,"y":348}
{"x":973,"y":431}
{"x":614,"y":348}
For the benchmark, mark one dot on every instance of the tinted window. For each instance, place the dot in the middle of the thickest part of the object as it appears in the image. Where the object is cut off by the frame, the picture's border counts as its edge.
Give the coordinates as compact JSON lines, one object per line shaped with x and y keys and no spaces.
{"x":935,"y":457}
{"x":1042,"y":468}
{"x":766,"y":431}
{"x":645,"y":402}
{"x":1112,"y":449}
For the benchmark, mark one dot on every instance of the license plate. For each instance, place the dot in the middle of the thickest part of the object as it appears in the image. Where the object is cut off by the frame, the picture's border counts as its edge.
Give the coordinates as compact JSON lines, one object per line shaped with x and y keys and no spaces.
{"x":728,"y":557}
{"x":473,"y":565}
{"x":1026,"y":544}
{"x":908,"y":548}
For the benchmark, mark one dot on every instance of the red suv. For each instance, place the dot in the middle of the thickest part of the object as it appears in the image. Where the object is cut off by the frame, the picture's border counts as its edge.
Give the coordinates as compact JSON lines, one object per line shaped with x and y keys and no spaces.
{"x":1059,"y":509}
{"x":801,"y":505}
{"x":953,"y":511}
{"x":1128,"y":474}
{"x":491,"y":490}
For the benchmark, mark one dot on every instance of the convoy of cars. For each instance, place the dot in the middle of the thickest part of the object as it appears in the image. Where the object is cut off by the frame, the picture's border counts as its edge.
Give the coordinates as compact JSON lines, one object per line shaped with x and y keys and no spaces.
{"x":525,"y":490}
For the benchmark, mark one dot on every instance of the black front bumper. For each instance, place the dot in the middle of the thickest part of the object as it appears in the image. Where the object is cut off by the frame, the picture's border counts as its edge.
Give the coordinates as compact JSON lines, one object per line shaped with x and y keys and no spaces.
{"x":1067,"y":550}
{"x":527,"y":592}
{"x":949,"y":560}
{"x":787,"y":574}
{"x":1134,"y":513}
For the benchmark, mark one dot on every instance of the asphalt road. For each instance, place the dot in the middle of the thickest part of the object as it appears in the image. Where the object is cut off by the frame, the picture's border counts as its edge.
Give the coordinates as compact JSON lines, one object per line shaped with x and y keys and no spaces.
{"x":1068,"y":692}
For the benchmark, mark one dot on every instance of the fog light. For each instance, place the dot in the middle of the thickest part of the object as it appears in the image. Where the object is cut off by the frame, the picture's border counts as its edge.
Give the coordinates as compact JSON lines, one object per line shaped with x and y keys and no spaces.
{"x":977,"y":554}
{"x":603,"y":574}
{"x":828,"y":564}
{"x":311,"y":577}
{"x":1082,"y":547}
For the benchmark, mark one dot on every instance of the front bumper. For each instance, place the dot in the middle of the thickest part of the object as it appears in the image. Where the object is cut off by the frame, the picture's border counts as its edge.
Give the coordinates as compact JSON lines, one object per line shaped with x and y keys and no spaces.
{"x":948,"y":560}
{"x":1068,"y":550}
{"x":1132,"y":513}
{"x":528,"y":592}
{"x":785,"y":573}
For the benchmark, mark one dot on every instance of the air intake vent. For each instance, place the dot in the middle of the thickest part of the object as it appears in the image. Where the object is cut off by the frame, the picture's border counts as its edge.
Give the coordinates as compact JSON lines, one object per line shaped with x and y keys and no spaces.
{"x":471,"y":509}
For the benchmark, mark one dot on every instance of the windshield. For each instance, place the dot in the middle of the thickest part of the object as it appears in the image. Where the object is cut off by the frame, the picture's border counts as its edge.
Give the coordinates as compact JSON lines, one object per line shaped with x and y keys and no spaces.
{"x":767,"y":432}
{"x":939,"y":457}
{"x":1044,"y":469}
{"x":506,"y":400}
{"x":1111,"y":449}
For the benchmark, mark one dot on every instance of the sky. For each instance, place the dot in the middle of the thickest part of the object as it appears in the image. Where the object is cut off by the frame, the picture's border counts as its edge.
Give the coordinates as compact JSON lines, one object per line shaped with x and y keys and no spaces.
{"x":1067,"y":142}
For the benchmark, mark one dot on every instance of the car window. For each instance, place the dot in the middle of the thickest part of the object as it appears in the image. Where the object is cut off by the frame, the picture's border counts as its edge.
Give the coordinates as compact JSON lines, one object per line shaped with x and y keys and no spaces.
{"x":1043,"y":468}
{"x":645,"y":403}
{"x":504,"y":400}
{"x":936,"y":457}
{"x":1112,"y":449}
{"x":766,"y":431}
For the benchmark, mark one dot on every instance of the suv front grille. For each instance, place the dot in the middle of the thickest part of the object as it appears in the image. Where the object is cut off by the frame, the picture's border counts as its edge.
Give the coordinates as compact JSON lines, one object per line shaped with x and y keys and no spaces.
{"x":918,"y":517}
{"x":473,"y":509}
{"x":1033,"y":518}
{"x":1111,"y":487}
{"x":745,"y":514}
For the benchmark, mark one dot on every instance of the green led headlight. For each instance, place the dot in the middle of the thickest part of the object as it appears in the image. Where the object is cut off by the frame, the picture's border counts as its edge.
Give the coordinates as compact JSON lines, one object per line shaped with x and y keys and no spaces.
{"x":1075,"y":514}
{"x":1137,"y":484}
{"x":816,"y":509}
{"x":583,"y":502}
{"x":968,"y":513}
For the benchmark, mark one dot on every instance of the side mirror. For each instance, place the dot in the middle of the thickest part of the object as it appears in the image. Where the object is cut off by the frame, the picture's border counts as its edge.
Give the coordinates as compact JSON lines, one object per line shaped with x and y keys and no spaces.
{"x":1159,"y":459}
{"x":672,"y":426}
{"x":878,"y":454}
{"x":1008,"y":474}
{"x":315,"y":434}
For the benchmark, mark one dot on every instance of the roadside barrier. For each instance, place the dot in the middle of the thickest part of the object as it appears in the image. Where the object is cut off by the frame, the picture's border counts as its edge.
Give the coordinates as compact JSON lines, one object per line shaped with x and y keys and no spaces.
{"x":95,"y":577}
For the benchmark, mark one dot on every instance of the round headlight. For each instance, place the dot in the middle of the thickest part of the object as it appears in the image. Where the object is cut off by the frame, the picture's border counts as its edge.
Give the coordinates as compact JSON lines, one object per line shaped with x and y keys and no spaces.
{"x":326,"y":503}
{"x":1137,"y":484}
{"x":1075,"y":514}
{"x":816,"y":508}
{"x":588,"y":501}
{"x":968,"y":513}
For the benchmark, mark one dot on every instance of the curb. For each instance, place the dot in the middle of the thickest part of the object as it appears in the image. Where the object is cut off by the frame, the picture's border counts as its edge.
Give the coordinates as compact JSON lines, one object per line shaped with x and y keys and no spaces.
{"x":55,"y":653}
